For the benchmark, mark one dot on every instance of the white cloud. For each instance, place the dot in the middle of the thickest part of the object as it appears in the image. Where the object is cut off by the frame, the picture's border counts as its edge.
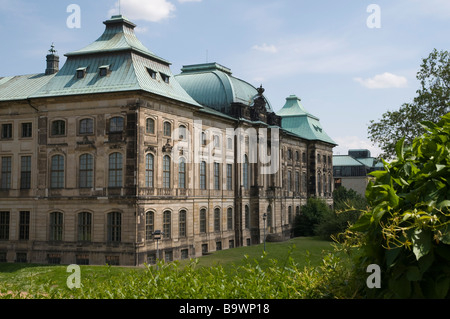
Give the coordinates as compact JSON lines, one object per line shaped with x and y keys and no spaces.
{"x":383,"y":81}
{"x":265,"y":48}
{"x":347,"y":143}
{"x":147,"y":10}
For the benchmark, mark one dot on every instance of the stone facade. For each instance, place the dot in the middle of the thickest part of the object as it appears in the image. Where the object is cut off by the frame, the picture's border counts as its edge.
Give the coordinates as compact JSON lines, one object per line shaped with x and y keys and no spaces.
{"x":88,"y":178}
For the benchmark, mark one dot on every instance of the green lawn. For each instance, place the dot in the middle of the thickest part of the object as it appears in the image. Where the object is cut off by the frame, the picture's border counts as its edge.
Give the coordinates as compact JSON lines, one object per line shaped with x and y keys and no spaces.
{"x":36,"y":279}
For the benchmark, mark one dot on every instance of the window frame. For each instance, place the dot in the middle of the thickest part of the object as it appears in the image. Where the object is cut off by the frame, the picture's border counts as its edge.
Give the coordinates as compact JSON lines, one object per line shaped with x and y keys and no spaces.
{"x":58,"y":128}
{"x":115,"y":170}
{"x":58,"y":172}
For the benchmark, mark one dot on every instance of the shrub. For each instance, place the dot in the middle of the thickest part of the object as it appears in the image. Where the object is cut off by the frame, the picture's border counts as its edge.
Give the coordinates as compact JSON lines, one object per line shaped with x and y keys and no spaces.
{"x":312,"y":214}
{"x":407,"y":232}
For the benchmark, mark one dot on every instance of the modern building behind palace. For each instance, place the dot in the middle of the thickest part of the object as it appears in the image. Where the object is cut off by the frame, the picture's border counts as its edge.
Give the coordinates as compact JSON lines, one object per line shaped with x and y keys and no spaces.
{"x":97,"y":155}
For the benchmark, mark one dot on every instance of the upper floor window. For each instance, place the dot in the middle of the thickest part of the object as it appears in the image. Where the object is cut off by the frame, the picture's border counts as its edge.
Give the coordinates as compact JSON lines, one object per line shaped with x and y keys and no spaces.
{"x":57,"y":172}
{"x":149,"y":170}
{"x":116,"y":124}
{"x":5,"y":177}
{"x":182,"y":174}
{"x":86,"y":171}
{"x":150,"y":126}
{"x":245,"y":172}
{"x":203,"y":175}
{"x":166,"y":172}
{"x":27,"y":129}
{"x":58,"y":128}
{"x":182,"y":132}
{"x":167,"y":129}
{"x":87,"y":126}
{"x":7,"y":131}
{"x":115,"y":170}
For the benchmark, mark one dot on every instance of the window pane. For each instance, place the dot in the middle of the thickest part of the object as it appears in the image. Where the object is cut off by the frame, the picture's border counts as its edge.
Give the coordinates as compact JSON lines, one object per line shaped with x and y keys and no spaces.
{"x":87,"y":126}
{"x":27,"y":130}
{"x":150,"y":126}
{"x":115,"y":170}
{"x":86,"y":171}
{"x":203,"y":175}
{"x":149,"y":225}
{"x":217,"y":219}
{"x":167,"y":224}
{"x":216,"y":176}
{"x":58,"y":128}
{"x":229,"y":177}
{"x":203,"y":221}
{"x":6,"y":173}
{"x":149,"y":170}
{"x":182,"y":174}
{"x":245,"y":175}
{"x":166,"y":172}
{"x":84,"y":226}
{"x":167,"y":129}
{"x":230,"y":219}
{"x":114,"y":227}
{"x":4,"y":225}
{"x":182,"y":226}
{"x":116,"y":124}
{"x":57,"y":172}
{"x":25,"y":172}
{"x":6,"y":131}
{"x":56,"y":226}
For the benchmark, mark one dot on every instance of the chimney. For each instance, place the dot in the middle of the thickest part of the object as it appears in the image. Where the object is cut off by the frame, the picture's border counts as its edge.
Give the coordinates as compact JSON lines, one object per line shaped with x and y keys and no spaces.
{"x":52,"y":62}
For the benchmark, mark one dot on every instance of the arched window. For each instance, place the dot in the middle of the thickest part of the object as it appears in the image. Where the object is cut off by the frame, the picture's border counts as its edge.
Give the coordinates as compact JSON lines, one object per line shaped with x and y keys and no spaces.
{"x":182,"y":174}
{"x":203,"y":220}
{"x":182,"y":132}
{"x":247,"y":217}
{"x":230,"y":218}
{"x":114,"y":224}
{"x":182,"y":224}
{"x":149,"y":225}
{"x":217,"y":219}
{"x":150,"y":126}
{"x":116,"y":124}
{"x":167,"y":224}
{"x":86,"y":126}
{"x":56,"y":226}
{"x":149,"y":170}
{"x":245,"y":172}
{"x":57,"y":172}
{"x":84,"y":226}
{"x":167,"y":129}
{"x":115,"y":170}
{"x":86,"y":171}
{"x":203,"y":175}
{"x":166,"y":172}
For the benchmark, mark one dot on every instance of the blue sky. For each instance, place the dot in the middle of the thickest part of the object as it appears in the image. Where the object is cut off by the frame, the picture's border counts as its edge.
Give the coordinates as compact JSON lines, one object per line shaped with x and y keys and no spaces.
{"x":323,"y":51}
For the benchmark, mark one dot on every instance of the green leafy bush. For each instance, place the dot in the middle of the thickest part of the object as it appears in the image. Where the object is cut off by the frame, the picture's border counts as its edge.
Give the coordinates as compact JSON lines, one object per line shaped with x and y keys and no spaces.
{"x":312,"y":214}
{"x":407,"y":230}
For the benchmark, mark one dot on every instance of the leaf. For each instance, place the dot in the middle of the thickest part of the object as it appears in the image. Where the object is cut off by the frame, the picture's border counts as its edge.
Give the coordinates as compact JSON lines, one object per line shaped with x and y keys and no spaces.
{"x":445,"y":235}
{"x":421,"y":243}
{"x":413,"y":273}
{"x":399,"y":149}
{"x":391,"y":256}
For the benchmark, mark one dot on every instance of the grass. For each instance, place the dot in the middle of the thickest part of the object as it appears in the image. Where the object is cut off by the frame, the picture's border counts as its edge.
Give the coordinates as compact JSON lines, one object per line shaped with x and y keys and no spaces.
{"x":36,"y":279}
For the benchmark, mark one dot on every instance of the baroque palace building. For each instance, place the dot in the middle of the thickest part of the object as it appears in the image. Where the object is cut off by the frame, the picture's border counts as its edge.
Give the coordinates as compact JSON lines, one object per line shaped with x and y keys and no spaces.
{"x":98,"y":155}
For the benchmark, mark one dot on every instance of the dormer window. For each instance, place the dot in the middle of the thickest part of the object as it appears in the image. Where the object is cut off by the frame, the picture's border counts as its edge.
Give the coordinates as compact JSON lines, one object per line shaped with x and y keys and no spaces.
{"x":165,"y":78}
{"x":104,"y":70}
{"x":152,"y":73}
{"x":81,"y":73}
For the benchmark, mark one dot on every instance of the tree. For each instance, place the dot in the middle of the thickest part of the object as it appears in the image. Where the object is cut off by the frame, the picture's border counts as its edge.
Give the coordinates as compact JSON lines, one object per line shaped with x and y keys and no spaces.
{"x":312,"y":214}
{"x":432,"y":101}
{"x":407,"y":230}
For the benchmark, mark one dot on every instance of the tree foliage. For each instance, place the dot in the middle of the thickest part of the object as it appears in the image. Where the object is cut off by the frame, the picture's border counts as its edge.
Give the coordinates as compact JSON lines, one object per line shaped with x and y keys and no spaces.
{"x":407,"y":230}
{"x":432,"y":102}
{"x":312,"y":214}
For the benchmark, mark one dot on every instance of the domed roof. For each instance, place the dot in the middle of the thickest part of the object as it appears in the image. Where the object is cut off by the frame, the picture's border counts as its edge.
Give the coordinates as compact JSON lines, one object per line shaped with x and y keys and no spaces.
{"x":214,"y":86}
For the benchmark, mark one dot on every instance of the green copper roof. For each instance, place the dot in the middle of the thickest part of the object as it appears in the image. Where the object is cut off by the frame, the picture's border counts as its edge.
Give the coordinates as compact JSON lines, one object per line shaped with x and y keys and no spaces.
{"x":298,"y":121}
{"x":22,"y":86}
{"x":130,"y":66}
{"x":118,"y":36}
{"x":213,"y":85}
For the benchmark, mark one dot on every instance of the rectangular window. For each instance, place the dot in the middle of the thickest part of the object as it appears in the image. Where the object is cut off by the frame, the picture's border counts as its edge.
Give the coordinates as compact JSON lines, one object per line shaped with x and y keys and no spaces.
{"x":58,"y":128}
{"x":216,"y":176}
{"x":57,"y":172}
{"x":230,"y":219}
{"x":87,"y":126}
{"x":27,"y":129}
{"x":4,"y":225}
{"x":86,"y":171}
{"x":203,"y":221}
{"x":6,"y":173}
{"x":24,"y":226}
{"x":230,"y":177}
{"x":25,"y":172}
{"x":84,"y":226}
{"x":114,"y":227}
{"x":203,"y":175}
{"x":167,"y":226}
{"x":56,"y":226}
{"x":115,"y":170}
{"x":7,"y":131}
{"x":182,"y":224}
